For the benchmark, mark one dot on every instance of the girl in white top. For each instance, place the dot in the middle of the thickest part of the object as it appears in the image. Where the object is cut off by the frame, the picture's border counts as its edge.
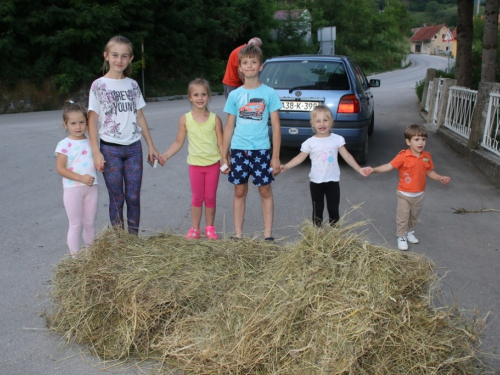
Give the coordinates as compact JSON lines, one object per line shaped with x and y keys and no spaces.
{"x":323,"y":149}
{"x":204,"y":131}
{"x":75,"y":163}
{"x":116,"y":119}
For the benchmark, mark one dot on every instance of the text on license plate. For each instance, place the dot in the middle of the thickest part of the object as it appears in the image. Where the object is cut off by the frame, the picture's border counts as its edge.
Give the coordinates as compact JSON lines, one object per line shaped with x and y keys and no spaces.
{"x":298,"y":106}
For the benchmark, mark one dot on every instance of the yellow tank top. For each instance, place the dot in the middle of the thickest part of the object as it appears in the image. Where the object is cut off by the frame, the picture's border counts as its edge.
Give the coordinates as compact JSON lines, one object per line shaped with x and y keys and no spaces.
{"x":202,"y":147}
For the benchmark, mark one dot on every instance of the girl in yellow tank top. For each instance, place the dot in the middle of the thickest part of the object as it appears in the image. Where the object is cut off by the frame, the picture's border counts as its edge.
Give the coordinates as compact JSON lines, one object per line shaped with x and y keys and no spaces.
{"x":204,"y":132}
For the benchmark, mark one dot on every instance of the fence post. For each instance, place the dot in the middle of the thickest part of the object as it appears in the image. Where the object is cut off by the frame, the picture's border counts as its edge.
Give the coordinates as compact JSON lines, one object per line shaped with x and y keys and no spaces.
{"x":431,"y":73}
{"x":444,"y":100}
{"x":478,"y":122}
{"x":432,"y":100}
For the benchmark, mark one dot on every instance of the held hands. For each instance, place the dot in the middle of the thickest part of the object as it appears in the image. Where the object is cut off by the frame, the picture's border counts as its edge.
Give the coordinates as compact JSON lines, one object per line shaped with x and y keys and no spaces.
{"x":276,"y":167}
{"x":153,"y":153}
{"x":87,"y":179}
{"x":224,"y":163}
{"x":163,"y":159}
{"x":283,"y":168}
{"x":366,"y":171}
{"x":99,"y":162}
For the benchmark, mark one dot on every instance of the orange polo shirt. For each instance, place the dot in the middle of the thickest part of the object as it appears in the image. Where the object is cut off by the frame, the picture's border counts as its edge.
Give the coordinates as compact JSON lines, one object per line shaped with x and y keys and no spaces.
{"x":412,"y":170}
{"x":231,"y":77}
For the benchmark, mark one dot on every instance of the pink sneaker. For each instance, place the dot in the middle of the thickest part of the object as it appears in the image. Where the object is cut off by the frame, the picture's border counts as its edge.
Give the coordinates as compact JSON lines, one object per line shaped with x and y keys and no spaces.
{"x":210,"y":233}
{"x":193,"y":234}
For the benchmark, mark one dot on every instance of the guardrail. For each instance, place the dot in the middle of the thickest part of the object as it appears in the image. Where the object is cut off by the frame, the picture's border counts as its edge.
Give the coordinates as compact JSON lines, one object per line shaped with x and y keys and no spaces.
{"x":491,"y":137}
{"x":468,"y":120}
{"x":459,"y":110}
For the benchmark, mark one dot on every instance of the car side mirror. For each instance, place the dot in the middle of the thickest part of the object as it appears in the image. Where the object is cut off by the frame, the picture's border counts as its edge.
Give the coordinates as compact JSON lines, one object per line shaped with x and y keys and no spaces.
{"x":374,"y":82}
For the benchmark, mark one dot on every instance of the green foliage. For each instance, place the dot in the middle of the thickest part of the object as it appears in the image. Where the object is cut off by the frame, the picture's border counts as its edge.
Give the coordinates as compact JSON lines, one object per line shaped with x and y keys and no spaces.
{"x":477,"y":53}
{"x":184,"y":39}
{"x":446,"y":13}
{"x":419,"y":86}
{"x":373,"y":32}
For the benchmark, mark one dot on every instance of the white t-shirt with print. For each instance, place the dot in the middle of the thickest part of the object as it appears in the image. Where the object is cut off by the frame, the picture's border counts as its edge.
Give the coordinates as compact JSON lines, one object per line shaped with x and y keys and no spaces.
{"x":116,"y":102}
{"x":324,"y":154}
{"x":80,"y":159}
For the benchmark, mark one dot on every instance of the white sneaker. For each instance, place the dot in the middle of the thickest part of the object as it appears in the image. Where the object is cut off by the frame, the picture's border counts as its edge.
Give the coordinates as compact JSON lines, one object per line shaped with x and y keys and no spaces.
{"x":402,"y":244}
{"x":411,"y":237}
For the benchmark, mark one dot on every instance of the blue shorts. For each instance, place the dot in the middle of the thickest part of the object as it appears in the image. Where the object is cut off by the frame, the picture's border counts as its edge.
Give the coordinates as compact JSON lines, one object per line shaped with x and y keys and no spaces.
{"x":256,"y":163}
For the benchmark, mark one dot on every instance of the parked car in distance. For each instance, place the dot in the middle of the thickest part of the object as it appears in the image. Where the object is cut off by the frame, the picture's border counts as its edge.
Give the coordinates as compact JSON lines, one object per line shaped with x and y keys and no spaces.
{"x":305,"y":81}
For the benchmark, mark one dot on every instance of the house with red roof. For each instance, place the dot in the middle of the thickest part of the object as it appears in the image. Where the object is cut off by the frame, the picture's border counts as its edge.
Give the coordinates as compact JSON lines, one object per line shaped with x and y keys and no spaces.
{"x":432,"y":40}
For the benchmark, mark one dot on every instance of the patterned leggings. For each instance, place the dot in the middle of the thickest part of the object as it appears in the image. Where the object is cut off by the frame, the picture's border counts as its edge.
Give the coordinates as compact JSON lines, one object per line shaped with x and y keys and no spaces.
{"x":123,"y":177}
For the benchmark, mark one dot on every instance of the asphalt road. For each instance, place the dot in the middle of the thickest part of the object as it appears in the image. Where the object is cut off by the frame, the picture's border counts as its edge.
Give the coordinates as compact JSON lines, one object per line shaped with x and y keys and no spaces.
{"x":465,"y":247}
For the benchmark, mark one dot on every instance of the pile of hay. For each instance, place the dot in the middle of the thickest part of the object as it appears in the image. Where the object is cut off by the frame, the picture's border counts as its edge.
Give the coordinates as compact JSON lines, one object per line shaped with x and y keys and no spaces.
{"x":327,"y":304}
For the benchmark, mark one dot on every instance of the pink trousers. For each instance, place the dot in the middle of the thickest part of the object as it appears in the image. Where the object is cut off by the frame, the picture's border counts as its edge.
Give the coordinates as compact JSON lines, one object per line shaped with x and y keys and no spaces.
{"x":204,"y":182}
{"x":81,"y":207}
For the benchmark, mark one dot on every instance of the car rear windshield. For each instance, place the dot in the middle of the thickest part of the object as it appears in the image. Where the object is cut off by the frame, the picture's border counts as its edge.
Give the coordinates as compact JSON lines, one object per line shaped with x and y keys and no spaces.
{"x":312,"y":75}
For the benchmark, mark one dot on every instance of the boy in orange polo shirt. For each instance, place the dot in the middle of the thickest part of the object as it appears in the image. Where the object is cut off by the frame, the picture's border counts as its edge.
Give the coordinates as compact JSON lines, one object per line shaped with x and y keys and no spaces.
{"x":414,"y":165}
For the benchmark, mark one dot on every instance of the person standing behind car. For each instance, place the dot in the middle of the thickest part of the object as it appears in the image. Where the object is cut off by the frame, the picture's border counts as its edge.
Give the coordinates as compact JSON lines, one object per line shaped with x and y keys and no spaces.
{"x":233,"y":78}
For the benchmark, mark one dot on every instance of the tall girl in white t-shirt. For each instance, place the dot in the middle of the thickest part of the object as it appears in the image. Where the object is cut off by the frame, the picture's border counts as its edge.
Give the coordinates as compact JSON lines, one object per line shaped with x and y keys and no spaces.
{"x":75,"y":163}
{"x":323,"y":149}
{"x":117,"y":121}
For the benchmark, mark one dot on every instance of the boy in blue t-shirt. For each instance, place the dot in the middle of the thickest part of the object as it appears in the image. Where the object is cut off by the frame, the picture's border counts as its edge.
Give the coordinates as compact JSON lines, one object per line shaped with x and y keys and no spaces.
{"x":248,"y":108}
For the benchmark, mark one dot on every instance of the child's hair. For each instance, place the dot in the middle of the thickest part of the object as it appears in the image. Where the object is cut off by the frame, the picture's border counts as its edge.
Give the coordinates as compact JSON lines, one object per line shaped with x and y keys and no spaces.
{"x":318,"y":109}
{"x":73,"y":106}
{"x":250,"y":51}
{"x":118,"y":39}
{"x":201,"y":82}
{"x":415,"y":130}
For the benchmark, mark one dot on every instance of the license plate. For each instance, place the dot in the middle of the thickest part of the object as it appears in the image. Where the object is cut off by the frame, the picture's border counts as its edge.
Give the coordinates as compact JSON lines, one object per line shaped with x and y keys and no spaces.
{"x":298,"y":105}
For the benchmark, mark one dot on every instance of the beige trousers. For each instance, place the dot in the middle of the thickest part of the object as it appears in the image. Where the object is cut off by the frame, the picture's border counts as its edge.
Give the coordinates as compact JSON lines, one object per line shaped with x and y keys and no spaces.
{"x":407,"y":213}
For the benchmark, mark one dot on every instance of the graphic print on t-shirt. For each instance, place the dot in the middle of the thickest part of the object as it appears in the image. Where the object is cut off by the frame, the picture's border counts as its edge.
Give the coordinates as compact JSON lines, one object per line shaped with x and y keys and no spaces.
{"x":114,"y":102}
{"x":324,"y":160}
{"x":252,"y":110}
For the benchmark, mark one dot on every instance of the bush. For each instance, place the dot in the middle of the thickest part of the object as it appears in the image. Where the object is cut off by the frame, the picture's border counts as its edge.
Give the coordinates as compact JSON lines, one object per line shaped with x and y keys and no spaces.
{"x":419,"y":85}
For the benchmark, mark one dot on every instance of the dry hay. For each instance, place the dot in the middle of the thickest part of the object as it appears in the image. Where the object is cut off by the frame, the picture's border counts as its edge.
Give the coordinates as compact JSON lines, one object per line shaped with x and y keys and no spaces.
{"x":330,"y":303}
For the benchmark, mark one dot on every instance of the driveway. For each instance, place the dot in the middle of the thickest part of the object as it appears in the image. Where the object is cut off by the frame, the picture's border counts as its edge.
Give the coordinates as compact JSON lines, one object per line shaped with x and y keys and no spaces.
{"x":464,"y":247}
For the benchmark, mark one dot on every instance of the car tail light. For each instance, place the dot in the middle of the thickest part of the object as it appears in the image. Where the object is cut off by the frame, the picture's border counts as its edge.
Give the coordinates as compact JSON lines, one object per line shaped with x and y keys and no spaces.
{"x":348,"y":104}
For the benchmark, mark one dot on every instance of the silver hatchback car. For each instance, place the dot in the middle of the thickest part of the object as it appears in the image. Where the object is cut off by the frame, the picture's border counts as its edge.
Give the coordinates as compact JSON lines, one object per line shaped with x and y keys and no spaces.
{"x":304,"y":81}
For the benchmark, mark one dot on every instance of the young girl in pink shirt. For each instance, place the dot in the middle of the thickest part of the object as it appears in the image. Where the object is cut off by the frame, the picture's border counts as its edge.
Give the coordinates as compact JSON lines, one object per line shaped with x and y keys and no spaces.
{"x":204,"y":131}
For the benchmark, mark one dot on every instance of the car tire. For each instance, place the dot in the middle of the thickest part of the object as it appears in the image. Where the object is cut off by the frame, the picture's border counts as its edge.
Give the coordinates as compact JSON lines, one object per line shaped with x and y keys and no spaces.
{"x":362,"y":155}
{"x":371,"y":127}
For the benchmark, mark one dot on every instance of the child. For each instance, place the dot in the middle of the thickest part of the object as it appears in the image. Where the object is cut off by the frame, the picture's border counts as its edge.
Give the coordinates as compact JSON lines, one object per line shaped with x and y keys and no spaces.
{"x":323,"y":149}
{"x":74,"y":162}
{"x":204,"y":131}
{"x":414,"y":165}
{"x":117,"y":120}
{"x":248,"y":108}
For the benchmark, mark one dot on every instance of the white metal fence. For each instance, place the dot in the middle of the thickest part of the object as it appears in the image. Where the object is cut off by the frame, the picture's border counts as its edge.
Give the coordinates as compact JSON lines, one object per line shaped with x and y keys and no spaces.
{"x":459,"y":109}
{"x":491,"y":138}
{"x":428,"y":97}
{"x":439,"y":95}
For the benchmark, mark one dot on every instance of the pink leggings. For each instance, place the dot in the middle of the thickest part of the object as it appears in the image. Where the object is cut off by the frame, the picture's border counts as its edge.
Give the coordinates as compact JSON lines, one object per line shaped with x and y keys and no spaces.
{"x":80,"y":203}
{"x":204,"y":182}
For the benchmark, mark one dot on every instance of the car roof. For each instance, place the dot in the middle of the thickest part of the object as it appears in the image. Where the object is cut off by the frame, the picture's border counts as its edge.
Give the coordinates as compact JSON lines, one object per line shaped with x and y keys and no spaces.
{"x":308,"y":57}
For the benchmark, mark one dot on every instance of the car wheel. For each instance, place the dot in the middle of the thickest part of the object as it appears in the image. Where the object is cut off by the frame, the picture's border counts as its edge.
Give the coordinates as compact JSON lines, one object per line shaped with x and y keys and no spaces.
{"x":362,"y":155}
{"x":372,"y":125}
